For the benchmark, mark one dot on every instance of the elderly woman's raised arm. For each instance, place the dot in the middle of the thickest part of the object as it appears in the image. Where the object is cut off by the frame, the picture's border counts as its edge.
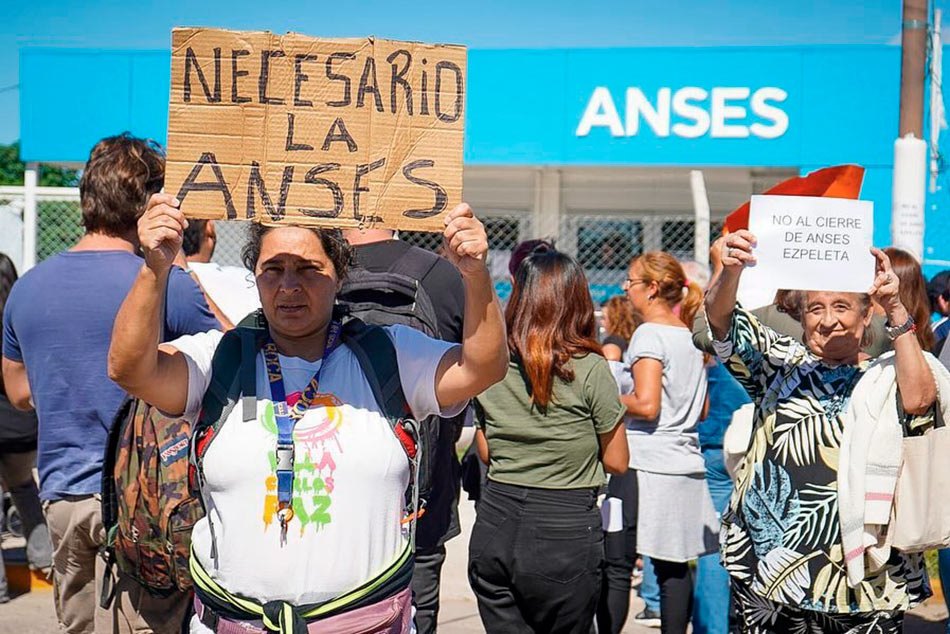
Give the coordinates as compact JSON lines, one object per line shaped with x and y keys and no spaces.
{"x":915,"y":380}
{"x":721,"y":296}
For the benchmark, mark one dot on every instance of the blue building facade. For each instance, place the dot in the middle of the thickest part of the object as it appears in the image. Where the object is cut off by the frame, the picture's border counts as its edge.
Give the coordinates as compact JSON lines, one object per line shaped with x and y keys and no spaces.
{"x":789,"y":107}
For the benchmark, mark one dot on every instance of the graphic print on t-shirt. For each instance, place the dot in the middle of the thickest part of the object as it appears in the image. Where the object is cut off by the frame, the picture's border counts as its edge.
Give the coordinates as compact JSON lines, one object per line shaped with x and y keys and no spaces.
{"x":316,"y":446}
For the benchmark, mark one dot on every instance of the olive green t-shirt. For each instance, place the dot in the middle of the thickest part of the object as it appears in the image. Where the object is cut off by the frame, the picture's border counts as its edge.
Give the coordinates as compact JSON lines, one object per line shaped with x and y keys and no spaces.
{"x":557,"y":448}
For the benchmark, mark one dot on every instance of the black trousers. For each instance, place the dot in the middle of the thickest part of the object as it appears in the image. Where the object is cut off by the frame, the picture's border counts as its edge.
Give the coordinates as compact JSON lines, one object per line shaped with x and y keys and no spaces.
{"x":425,"y":587}
{"x":676,"y":595}
{"x":620,"y":550}
{"x":535,"y":559}
{"x":674,"y":578}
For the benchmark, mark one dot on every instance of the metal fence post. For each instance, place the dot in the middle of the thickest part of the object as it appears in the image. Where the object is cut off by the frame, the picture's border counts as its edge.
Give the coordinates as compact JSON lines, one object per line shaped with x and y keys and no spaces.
{"x":701,"y":210}
{"x":29,"y":215}
{"x":547,"y":203}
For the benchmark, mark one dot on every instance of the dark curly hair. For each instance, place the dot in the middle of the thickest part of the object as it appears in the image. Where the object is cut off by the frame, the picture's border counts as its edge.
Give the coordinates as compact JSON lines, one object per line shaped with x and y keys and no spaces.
{"x":334,"y":244}
{"x":120,"y":175}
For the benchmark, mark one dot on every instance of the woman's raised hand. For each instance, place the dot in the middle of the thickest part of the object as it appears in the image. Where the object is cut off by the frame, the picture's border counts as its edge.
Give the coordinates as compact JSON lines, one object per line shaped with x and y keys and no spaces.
{"x":465,"y":240}
{"x":885,"y":290}
{"x":735,"y":254}
{"x":737,"y":250}
{"x":160,"y":232}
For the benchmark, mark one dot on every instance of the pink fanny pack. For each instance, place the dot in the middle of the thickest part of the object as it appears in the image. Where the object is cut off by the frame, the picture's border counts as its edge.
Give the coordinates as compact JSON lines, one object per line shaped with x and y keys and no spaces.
{"x":392,"y":615}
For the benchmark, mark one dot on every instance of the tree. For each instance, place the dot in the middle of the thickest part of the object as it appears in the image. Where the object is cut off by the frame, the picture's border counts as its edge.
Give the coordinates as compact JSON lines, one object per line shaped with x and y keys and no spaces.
{"x":12,"y":168}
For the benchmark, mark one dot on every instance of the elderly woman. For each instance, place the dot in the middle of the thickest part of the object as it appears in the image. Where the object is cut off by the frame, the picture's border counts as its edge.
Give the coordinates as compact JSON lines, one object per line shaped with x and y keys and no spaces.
{"x":781,"y":537}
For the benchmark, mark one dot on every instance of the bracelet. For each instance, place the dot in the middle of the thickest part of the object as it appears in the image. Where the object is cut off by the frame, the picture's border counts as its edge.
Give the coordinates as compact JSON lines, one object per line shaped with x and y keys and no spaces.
{"x":893,"y":332}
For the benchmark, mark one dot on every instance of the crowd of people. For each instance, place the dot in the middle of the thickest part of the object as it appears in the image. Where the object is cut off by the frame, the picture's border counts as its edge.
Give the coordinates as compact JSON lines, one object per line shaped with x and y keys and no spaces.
{"x":326,"y":424}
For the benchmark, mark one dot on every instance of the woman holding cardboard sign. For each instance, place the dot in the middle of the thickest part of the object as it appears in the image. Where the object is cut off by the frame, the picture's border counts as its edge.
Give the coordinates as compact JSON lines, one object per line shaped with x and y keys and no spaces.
{"x":303,"y":452}
{"x":783,"y":544}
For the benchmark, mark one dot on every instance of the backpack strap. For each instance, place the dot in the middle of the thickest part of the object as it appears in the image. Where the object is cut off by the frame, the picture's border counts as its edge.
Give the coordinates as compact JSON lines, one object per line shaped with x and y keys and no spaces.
{"x":249,"y":347}
{"x":233,"y":377}
{"x":110,"y":503}
{"x":234,"y":373}
{"x":376,"y":354}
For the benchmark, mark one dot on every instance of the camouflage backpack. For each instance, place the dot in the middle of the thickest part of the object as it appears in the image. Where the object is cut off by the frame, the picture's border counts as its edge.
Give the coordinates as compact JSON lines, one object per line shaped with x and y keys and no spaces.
{"x":147,"y":510}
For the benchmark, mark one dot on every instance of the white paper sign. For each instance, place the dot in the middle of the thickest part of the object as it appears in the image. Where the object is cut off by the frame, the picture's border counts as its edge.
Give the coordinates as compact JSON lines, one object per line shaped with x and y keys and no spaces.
{"x":611,"y":515}
{"x":810,"y":243}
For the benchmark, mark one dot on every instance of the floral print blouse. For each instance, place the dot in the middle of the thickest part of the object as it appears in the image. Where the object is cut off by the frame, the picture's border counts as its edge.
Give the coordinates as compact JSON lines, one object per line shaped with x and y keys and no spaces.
{"x":780,"y":536}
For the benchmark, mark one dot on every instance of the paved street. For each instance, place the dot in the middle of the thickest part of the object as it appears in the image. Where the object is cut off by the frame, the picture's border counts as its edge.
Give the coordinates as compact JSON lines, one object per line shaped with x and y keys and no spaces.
{"x":33,"y":613}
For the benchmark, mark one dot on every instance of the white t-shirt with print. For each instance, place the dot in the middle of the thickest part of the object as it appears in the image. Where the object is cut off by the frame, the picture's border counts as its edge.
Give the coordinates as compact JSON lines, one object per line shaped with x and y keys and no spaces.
{"x":350,"y":478}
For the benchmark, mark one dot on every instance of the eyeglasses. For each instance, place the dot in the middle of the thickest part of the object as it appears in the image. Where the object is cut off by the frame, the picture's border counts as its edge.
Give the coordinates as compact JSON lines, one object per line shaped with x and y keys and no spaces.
{"x":630,"y":281}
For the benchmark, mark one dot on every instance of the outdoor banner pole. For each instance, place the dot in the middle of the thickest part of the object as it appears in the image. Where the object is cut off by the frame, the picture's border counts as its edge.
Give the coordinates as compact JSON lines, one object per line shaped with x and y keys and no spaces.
{"x":913,"y":67}
{"x":910,"y":150}
{"x":701,"y":217}
{"x":29,"y":216}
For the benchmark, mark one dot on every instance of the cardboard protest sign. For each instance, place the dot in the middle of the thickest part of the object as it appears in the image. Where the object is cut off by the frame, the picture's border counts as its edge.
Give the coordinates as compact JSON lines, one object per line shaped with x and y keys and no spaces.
{"x":290,"y":129}
{"x":809,"y":243}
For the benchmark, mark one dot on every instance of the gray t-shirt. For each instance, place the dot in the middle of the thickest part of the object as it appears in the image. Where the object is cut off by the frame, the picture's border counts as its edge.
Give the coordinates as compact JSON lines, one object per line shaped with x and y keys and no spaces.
{"x":669,"y":444}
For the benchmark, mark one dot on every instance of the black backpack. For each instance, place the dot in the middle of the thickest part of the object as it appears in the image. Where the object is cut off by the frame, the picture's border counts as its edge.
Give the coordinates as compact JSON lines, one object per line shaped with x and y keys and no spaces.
{"x":396,"y":297}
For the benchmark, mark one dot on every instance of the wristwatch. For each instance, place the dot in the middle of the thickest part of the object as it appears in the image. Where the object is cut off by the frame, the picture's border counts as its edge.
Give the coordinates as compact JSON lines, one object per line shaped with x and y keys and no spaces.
{"x":893,"y":332}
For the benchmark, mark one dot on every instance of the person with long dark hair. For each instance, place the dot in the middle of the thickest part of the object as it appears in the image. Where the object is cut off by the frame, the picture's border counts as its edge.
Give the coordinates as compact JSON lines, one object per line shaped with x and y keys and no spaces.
{"x":548,"y":431}
{"x":17,"y":459}
{"x":913,"y":294}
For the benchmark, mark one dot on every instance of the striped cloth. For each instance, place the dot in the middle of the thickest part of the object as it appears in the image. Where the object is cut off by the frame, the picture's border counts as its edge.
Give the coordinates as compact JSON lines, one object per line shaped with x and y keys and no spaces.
{"x":870,"y":461}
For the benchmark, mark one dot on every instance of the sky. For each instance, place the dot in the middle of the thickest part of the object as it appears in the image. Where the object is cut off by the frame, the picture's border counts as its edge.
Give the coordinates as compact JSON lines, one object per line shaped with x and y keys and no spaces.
{"x":477,"y":24}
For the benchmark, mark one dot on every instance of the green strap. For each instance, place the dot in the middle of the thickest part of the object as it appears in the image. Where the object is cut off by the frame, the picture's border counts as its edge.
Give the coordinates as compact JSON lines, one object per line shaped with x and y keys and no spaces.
{"x":284,"y":617}
{"x":281,"y":617}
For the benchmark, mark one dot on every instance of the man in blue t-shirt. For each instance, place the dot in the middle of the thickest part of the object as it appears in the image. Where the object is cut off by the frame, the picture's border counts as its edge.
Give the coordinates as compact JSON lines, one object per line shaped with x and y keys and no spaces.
{"x":57,"y":325}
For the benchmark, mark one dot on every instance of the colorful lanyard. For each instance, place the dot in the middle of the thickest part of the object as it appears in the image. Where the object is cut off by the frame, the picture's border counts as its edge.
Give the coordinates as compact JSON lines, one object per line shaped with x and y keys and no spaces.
{"x":287,"y":418}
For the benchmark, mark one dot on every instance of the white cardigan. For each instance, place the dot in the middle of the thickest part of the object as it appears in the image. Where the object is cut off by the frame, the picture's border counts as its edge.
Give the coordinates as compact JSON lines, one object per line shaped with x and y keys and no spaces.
{"x":870,"y":460}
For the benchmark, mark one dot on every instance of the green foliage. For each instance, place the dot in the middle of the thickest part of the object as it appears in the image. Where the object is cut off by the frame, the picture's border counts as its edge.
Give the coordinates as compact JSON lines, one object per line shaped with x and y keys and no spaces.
{"x":930,"y":558}
{"x":12,"y":168}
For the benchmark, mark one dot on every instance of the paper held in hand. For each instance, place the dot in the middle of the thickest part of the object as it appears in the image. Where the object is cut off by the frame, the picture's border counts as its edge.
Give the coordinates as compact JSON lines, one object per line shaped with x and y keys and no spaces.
{"x":808,"y":243}
{"x":290,"y":129}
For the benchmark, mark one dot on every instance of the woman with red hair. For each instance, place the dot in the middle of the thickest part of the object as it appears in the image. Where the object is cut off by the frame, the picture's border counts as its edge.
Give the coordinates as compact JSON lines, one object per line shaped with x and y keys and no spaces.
{"x":548,"y":431}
